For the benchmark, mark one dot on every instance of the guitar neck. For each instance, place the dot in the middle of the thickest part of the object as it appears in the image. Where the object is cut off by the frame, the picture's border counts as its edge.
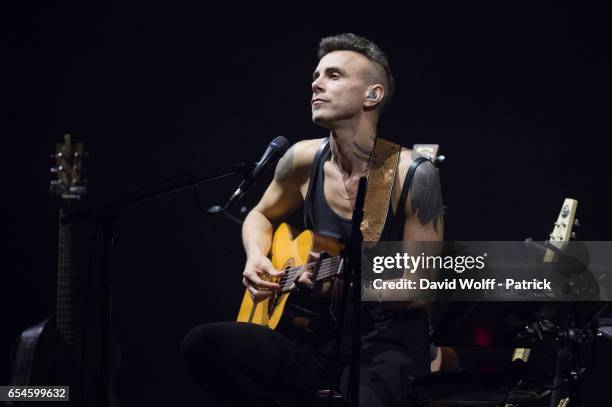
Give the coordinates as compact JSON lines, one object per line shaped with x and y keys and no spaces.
{"x":322,"y":270}
{"x":69,"y":187}
{"x":67,"y":295}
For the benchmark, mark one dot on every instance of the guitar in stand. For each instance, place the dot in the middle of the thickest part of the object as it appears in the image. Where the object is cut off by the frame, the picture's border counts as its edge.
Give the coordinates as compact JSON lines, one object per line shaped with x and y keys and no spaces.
{"x":562,"y":232}
{"x":551,"y":324}
{"x":50,"y":353}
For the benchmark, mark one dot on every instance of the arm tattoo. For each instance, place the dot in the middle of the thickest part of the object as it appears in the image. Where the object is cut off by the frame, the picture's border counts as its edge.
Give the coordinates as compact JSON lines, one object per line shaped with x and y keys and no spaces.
{"x":426,"y":194}
{"x":362,"y":153}
{"x":284,"y":166}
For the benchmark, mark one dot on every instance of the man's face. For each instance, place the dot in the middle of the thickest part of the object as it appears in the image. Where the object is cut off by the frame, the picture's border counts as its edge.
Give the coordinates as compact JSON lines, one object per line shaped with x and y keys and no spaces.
{"x":339,"y":87}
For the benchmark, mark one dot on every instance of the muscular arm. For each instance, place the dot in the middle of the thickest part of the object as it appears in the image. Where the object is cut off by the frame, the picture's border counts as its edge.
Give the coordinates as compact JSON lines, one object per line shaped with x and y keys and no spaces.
{"x":282,"y":197}
{"x":424,"y":206}
{"x":423,"y":221}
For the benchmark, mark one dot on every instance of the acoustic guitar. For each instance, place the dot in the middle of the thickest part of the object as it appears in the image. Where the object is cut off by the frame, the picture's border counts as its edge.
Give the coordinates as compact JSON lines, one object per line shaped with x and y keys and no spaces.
{"x":296,"y":254}
{"x":293,"y":255}
{"x":560,"y":235}
{"x":51,"y":352}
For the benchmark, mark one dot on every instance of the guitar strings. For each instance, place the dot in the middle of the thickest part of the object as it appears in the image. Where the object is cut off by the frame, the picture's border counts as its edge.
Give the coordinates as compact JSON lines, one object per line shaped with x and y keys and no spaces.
{"x":324,"y":272}
{"x":291,"y":273}
{"x":328,"y":268}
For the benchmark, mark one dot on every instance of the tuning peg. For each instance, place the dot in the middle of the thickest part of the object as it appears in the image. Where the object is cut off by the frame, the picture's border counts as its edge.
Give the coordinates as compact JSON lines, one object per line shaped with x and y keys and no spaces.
{"x":56,"y":169}
{"x":576,"y":223}
{"x":440,"y":158}
{"x":573,"y":236}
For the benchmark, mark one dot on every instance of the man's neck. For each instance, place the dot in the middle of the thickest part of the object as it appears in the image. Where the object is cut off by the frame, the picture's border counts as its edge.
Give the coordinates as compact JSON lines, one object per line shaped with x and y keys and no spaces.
{"x":351,"y":147}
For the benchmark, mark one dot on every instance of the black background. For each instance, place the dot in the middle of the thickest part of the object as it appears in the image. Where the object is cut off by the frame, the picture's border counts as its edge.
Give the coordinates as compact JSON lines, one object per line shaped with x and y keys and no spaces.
{"x":518,"y":99}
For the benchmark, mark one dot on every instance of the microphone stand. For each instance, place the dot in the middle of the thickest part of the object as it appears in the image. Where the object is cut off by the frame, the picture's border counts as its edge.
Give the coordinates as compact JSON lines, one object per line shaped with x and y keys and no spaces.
{"x":105,"y":216}
{"x":353,"y":275}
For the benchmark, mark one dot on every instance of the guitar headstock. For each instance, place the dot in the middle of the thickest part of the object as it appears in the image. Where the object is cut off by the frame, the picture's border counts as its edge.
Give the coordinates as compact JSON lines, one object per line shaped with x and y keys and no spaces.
{"x":429,"y":151}
{"x":68,"y":183}
{"x":563,"y":226}
{"x":562,"y":231}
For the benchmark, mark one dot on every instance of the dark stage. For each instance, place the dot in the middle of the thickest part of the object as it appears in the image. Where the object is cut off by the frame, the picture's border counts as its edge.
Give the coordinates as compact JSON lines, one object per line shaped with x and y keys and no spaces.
{"x":517,"y":97}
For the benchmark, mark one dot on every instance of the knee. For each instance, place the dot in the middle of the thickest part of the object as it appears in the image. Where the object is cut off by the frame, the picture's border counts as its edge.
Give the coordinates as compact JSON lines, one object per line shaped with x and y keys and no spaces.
{"x":197,"y":345}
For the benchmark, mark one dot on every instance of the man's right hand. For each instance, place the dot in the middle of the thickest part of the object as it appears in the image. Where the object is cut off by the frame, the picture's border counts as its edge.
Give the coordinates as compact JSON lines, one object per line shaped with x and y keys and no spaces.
{"x":257,"y":277}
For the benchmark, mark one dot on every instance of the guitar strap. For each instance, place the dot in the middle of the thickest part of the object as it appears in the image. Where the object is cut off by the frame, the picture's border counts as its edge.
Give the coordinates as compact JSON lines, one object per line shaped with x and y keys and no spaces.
{"x":383,"y":168}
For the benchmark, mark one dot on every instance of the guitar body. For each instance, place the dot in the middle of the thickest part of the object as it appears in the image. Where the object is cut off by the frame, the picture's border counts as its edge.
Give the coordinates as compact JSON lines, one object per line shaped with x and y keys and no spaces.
{"x":32,"y":364}
{"x":42,"y":358}
{"x":287,"y":252}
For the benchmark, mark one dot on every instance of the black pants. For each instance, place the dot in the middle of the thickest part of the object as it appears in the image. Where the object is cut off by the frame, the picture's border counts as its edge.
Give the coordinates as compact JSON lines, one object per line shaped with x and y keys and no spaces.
{"x":247,"y":364}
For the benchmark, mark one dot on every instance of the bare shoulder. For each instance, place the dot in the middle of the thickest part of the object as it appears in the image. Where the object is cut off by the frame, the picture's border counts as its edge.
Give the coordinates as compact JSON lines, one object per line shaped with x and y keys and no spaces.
{"x":407,"y":156}
{"x":425,"y":193}
{"x":304,"y":152}
{"x":404,"y":162}
{"x":297,"y":161}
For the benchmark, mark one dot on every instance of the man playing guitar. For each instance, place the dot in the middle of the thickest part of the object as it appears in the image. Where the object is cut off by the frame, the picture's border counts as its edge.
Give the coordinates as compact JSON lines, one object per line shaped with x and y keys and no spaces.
{"x":250,"y":364}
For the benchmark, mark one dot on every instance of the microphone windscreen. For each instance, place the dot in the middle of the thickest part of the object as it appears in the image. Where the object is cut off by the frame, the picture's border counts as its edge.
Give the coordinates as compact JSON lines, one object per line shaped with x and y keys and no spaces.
{"x":280,"y":143}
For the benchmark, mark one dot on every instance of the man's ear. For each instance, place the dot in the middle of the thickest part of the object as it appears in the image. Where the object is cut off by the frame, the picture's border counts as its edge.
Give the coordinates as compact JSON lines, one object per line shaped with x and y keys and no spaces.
{"x":374,"y":95}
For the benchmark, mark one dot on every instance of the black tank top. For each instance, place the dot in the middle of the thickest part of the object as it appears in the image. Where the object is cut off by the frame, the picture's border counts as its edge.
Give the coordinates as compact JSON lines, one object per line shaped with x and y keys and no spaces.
{"x":321,"y":218}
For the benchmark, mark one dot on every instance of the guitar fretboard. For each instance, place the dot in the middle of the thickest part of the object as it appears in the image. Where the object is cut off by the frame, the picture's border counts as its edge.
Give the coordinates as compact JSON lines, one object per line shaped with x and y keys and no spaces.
{"x":66,"y":319}
{"x":323,"y":269}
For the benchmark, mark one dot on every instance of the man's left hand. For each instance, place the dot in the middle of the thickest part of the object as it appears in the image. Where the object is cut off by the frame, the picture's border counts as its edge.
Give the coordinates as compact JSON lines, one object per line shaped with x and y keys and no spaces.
{"x":304,"y":280}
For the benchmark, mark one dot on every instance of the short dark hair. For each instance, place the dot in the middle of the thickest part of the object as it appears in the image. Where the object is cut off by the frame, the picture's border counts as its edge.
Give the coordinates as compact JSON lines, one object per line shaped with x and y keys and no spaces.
{"x":352,"y":42}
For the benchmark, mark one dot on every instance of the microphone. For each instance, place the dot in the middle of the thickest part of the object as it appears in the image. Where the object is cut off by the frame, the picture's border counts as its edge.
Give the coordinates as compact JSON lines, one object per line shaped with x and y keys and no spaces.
{"x":273,"y":153}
